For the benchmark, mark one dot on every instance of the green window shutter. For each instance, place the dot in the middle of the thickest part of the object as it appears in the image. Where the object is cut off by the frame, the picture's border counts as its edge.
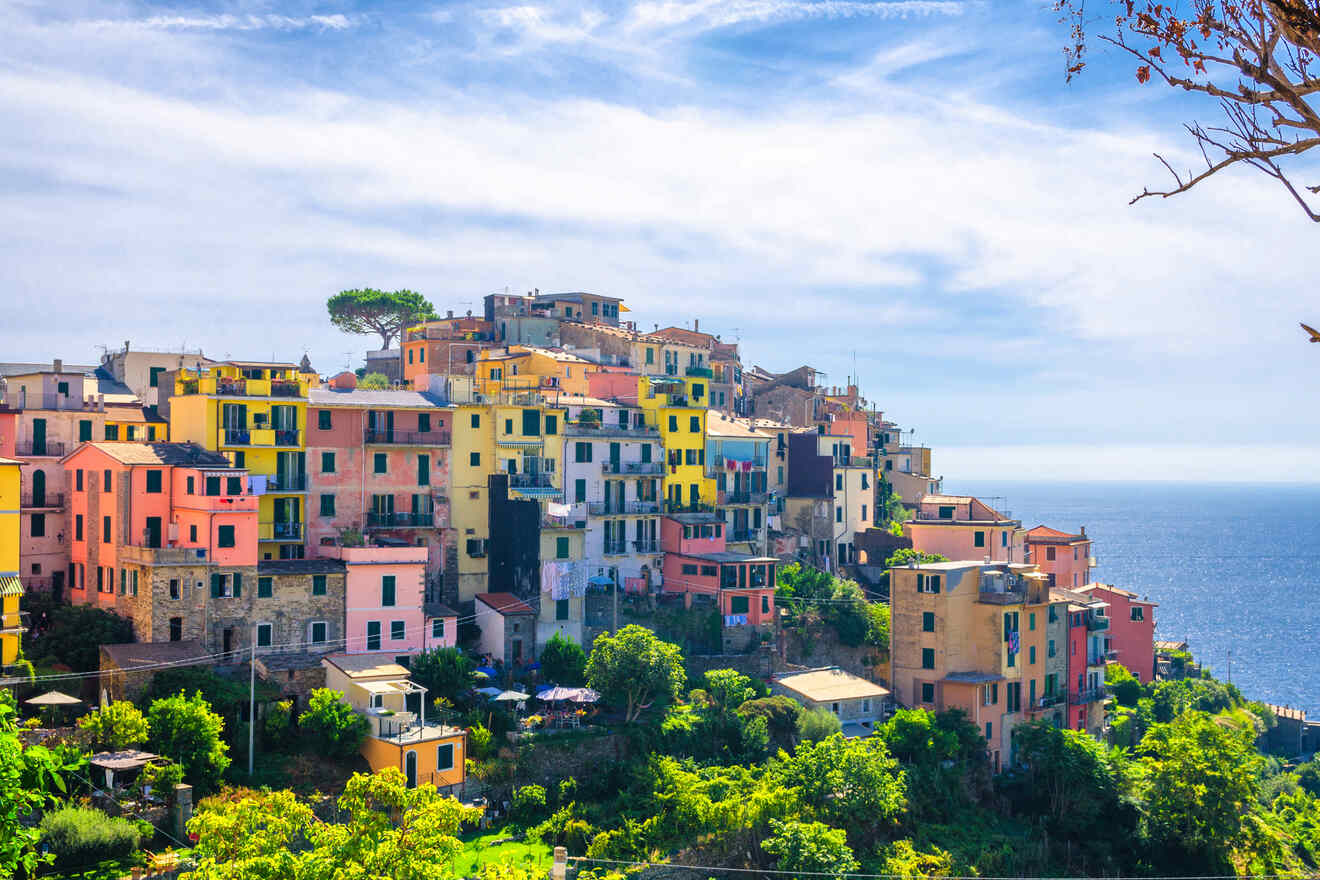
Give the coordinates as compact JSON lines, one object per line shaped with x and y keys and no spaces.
{"x":217,"y":585}
{"x":551,"y":425}
{"x":738,"y":605}
{"x":318,"y":585}
{"x":327,"y":505}
{"x":327,"y":462}
{"x":264,"y":588}
{"x":153,"y":481}
{"x":423,"y":470}
{"x":238,"y":585}
{"x":380,"y":463}
{"x":323,"y":419}
{"x":387,"y":590}
{"x":84,"y":430}
{"x":561,"y":548}
{"x":579,"y":490}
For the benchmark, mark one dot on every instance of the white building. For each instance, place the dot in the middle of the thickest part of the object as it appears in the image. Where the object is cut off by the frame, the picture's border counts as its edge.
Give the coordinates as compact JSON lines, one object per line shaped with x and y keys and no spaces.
{"x":857,"y":703}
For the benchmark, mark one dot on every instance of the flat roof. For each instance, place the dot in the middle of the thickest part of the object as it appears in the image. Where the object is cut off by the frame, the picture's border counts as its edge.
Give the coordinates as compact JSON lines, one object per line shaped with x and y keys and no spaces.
{"x":720,"y":425}
{"x":362,"y":397}
{"x":830,"y":683}
{"x":694,"y":518}
{"x":730,"y":557}
{"x":366,"y":665}
{"x":973,"y":677}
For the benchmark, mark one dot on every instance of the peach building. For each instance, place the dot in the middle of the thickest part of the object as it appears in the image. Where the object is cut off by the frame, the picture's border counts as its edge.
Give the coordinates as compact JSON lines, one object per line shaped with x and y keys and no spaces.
{"x":698,"y":566}
{"x":1065,"y":557}
{"x":1131,"y":637}
{"x":960,"y":527}
{"x":384,"y":599}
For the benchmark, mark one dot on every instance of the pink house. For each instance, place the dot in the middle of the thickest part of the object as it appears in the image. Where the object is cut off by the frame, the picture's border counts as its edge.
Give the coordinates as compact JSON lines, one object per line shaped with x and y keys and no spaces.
{"x":1065,"y":557}
{"x":614,"y":383}
{"x":384,"y":598}
{"x":1131,"y":637}
{"x":697,"y":564}
{"x":961,"y":528}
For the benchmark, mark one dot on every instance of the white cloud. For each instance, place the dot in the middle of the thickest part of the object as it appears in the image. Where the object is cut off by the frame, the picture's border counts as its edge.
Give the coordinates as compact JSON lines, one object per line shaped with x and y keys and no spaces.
{"x":711,"y":14}
{"x":224,"y":22}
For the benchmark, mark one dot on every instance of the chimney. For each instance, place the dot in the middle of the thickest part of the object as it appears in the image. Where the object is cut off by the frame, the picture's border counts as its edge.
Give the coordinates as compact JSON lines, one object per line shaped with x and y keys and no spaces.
{"x":449,"y":313}
{"x":696,"y":324}
{"x":100,"y":403}
{"x":125,"y":346}
{"x":59,"y":365}
{"x":1083,"y":531}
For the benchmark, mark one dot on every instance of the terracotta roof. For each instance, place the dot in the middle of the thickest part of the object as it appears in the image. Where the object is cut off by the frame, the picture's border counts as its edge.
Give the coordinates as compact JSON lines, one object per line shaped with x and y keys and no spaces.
{"x":504,"y":603}
{"x":136,"y":654}
{"x":1047,"y":535}
{"x":831,"y":683}
{"x":162,"y":453}
{"x":946,"y":499}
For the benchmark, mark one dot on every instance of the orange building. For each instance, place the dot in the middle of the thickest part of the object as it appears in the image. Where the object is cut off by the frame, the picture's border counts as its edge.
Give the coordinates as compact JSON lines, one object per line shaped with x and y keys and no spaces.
{"x":448,"y":346}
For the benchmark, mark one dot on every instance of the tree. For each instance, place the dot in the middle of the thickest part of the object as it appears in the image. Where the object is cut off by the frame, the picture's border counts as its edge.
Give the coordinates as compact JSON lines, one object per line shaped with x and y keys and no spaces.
{"x":813,"y":848}
{"x":377,"y":311}
{"x":1201,"y":779}
{"x":780,"y":714}
{"x":119,"y":725}
{"x":1256,"y":58}
{"x":337,"y":730}
{"x":185,"y":730}
{"x":1123,"y":684}
{"x":563,"y":661}
{"x":1308,"y":776}
{"x":18,"y":839}
{"x":814,"y":725}
{"x":634,"y":668}
{"x":1070,"y":779}
{"x":374,"y":382}
{"x":904,"y":555}
{"x":74,"y":635}
{"x":444,"y":672}
{"x":853,"y":783}
{"x":728,"y":688}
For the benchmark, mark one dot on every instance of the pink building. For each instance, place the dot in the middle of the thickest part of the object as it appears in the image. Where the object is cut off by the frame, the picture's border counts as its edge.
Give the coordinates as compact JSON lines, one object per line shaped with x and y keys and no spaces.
{"x":960,"y":528}
{"x":1065,"y":557}
{"x":384,"y":599}
{"x":614,"y":383}
{"x":698,"y":565}
{"x":378,"y":463}
{"x":1131,"y":636}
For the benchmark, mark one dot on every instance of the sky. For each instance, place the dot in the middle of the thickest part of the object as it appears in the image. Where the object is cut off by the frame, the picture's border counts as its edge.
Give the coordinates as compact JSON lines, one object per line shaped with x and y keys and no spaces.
{"x":906,"y":191}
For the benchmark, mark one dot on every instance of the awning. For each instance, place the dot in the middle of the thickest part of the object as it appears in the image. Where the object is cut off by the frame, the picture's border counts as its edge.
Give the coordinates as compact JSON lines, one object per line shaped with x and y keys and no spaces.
{"x":53,"y":698}
{"x":10,"y":586}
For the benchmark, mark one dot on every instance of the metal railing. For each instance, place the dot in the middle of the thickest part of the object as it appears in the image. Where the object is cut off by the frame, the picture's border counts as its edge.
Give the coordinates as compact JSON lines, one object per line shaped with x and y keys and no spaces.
{"x":404,"y":520}
{"x":53,"y":448}
{"x":742,"y":497}
{"x":691,"y":507}
{"x":284,"y":388}
{"x":282,"y":531}
{"x":237,"y":436}
{"x":740,"y":536}
{"x":620,"y":508}
{"x":616,"y":548}
{"x":1086,"y":695}
{"x":1095,"y":623}
{"x":531,"y":481}
{"x":231,"y":386}
{"x":646,"y":546}
{"x":1050,"y":700}
{"x":633,"y":468}
{"x":47,"y":500}
{"x":15,"y":622}
{"x":406,"y":438}
{"x":286,"y":437}
{"x":286,"y":482}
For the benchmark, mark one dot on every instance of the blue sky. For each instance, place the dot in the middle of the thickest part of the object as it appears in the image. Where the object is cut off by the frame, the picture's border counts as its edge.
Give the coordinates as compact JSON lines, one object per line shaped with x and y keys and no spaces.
{"x":909,"y":184}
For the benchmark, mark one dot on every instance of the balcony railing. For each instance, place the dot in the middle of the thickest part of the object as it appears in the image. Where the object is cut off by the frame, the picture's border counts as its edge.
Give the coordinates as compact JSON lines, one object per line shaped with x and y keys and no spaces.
{"x":700,"y":372}
{"x":1008,"y":597}
{"x":406,"y":438}
{"x":531,"y":481}
{"x":1086,"y":695}
{"x":382,"y":520}
{"x":286,"y":437}
{"x":1095,"y":624}
{"x":231,"y":386}
{"x":616,"y":548}
{"x":1049,"y":700}
{"x":740,"y":536}
{"x":633,"y":468}
{"x":54,"y":448}
{"x":284,"y":388}
{"x":622,"y":508}
{"x":742,"y":497}
{"x":690,"y":507}
{"x":142,"y":555}
{"x":50,"y":500}
{"x":646,"y":546}
{"x":281,"y":531}
{"x":287,"y":483}
{"x":16,"y":623}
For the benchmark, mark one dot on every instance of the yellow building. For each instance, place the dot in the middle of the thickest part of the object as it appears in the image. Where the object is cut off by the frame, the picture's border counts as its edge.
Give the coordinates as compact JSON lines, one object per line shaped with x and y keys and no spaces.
{"x":677,"y":408}
{"x":528,"y":368}
{"x":255,"y":413}
{"x":11,"y":590}
{"x":521,"y":436}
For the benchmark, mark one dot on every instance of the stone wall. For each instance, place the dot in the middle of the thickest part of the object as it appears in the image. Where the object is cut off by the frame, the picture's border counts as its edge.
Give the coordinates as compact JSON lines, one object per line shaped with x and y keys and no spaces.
{"x":546,"y":761}
{"x":816,"y":646}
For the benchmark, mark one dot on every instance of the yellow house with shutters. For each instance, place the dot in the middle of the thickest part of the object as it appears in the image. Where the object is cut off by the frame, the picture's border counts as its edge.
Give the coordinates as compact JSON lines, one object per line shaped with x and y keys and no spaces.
{"x":529,"y":368}
{"x":11,"y":590}
{"x":676,"y":406}
{"x":521,"y":437}
{"x":256,"y":414}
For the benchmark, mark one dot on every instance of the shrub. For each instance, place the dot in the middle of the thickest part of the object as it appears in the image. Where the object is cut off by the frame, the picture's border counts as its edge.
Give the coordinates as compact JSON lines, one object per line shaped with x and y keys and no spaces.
{"x":332,"y":725}
{"x":74,"y":635}
{"x":185,"y":730}
{"x":80,"y":836}
{"x":563,"y":661}
{"x":815,"y":725}
{"x":528,"y":804}
{"x":780,"y":714}
{"x":479,"y":740}
{"x":276,"y":725}
{"x":119,"y":725}
{"x":162,"y":777}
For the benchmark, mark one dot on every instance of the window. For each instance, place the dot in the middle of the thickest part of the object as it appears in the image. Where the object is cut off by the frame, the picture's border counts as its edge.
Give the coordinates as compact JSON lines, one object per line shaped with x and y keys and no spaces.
{"x":444,"y":757}
{"x":838,"y":514}
{"x":78,"y":480}
{"x":673,"y":424}
{"x":264,"y":587}
{"x":1050,"y":649}
{"x":561,"y":609}
{"x":863,"y":513}
{"x":387,"y":590}
{"x":318,"y":632}
{"x":1031,"y":621}
{"x":78,"y":527}
{"x":380,"y":463}
{"x":438,"y":628}
{"x":84,"y":430}
{"x":327,"y":505}
{"x":373,"y":635}
{"x":105,"y":481}
{"x":838,"y":482}
{"x":233,"y":485}
{"x":1054,"y":614}
{"x":551,"y":425}
{"x":694,"y":424}
{"x":323,"y":420}
{"x":397,"y":631}
{"x":531,"y":422}
{"x":1031,"y":655}
{"x":989,"y":728}
{"x":105,"y":530}
{"x":318,"y":585}
{"x":738,"y":605}
{"x":1138,"y":613}
{"x":192,"y":533}
{"x":476,"y":420}
{"x":688,"y":568}
{"x":946,"y":512}
{"x":508,"y":426}
{"x":474,"y":458}
{"x":111,"y":432}
{"x":927,"y":658}
{"x":1049,"y":553}
{"x":212,"y":486}
{"x":928,"y":621}
{"x":978,"y":539}
{"x":423,"y":470}
{"x":650,"y":355}
{"x":423,"y":423}
{"x":264,"y":631}
{"x":928,"y":583}
{"x":579,"y":490}
{"x":927,"y":692}
{"x":710,"y":571}
{"x":38,"y":525}
{"x":224,"y":536}
{"x":176,"y":629}
{"x":561,"y":548}
{"x":327,"y":462}
{"x":582,"y":451}
{"x":698,"y":390}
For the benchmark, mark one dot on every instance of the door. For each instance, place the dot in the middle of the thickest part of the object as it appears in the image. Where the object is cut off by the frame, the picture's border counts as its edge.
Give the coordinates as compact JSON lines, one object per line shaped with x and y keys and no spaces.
{"x":152,"y":536}
{"x":233,"y":416}
{"x":228,"y":640}
{"x":517,"y":650}
{"x":38,"y":436}
{"x":614,"y":457}
{"x":39,"y":488}
{"x":410,"y":768}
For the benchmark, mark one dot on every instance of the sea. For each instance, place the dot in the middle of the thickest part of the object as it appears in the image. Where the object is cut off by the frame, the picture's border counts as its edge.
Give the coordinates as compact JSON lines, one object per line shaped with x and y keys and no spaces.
{"x":1235,"y":568}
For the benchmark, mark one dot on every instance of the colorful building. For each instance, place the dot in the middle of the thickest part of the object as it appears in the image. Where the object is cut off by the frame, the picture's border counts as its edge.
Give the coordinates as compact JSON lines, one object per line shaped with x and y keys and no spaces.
{"x":255,"y":413}
{"x":400,"y":736}
{"x":445,"y":347}
{"x":528,"y":368}
{"x":12,"y":624}
{"x":1065,"y":557}
{"x":384,"y":599}
{"x":508,"y":628}
{"x":961,"y":527}
{"x":1131,"y":638}
{"x":677,"y":409}
{"x":736,"y":458}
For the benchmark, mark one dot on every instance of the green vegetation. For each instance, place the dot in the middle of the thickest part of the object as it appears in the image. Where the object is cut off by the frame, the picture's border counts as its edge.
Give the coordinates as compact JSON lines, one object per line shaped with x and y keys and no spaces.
{"x":79,"y":837}
{"x":72,"y":635}
{"x":635,"y":669}
{"x":185,"y":730}
{"x":387,"y":313}
{"x":332,"y":724}
{"x":374,"y":382}
{"x":906,"y":555}
{"x":120,"y":725}
{"x":563,"y":662}
{"x":811,"y":596}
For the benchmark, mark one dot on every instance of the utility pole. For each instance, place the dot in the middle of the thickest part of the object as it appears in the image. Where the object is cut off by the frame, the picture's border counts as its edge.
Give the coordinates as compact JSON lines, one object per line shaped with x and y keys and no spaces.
{"x":252,"y":698}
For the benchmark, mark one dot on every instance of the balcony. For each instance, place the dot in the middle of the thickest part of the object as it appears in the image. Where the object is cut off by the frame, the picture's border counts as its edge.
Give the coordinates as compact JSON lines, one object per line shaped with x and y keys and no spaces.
{"x":284,"y":388}
{"x":743,"y":497}
{"x":48,"y":501}
{"x":646,"y":547}
{"x":385,"y":520}
{"x":743,"y":536}
{"x":1008,"y":597}
{"x":690,"y":507}
{"x":287,"y":483}
{"x":633,"y":468}
{"x":1096,"y":623}
{"x":1049,"y":700}
{"x":38,"y":448}
{"x":1087,"y":695}
{"x":854,"y":461}
{"x":616,"y":548}
{"x":141,"y":555}
{"x":234,"y":387}
{"x":374,"y":437}
{"x":15,"y":624}
{"x":286,"y":437}
{"x":623,"y":508}
{"x":280,"y":531}
{"x":700,"y":372}
{"x":531,"y":481}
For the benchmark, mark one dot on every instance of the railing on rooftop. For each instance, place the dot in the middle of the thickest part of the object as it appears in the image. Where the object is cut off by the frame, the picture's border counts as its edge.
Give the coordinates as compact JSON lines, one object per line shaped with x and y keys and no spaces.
{"x":284,"y":388}
{"x":689,"y":507}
